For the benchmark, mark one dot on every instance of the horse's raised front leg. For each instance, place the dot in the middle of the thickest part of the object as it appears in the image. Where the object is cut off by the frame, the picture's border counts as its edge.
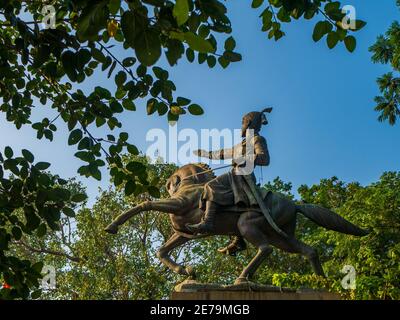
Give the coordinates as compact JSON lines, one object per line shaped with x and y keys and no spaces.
{"x":175,"y":241}
{"x":173,"y":206}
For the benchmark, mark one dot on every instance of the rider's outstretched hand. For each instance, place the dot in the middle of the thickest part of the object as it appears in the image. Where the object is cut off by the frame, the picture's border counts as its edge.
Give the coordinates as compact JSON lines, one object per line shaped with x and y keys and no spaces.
{"x":201,"y":153}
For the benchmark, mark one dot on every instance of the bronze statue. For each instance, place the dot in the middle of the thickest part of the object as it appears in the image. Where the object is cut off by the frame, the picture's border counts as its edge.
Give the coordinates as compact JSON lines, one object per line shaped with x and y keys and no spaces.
{"x":269,"y":223}
{"x":233,"y":188}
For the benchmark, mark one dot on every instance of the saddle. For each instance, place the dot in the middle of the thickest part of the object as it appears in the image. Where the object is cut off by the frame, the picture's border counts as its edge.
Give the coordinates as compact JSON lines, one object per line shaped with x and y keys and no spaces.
{"x":265,"y":194}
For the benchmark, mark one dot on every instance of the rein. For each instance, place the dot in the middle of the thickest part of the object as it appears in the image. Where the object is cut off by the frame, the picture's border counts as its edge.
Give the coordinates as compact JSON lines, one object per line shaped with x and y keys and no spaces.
{"x":204,"y":172}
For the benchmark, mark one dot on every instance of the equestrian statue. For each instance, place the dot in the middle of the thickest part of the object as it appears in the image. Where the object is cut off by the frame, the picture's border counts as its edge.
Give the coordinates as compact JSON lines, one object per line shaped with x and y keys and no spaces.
{"x":232,"y":204}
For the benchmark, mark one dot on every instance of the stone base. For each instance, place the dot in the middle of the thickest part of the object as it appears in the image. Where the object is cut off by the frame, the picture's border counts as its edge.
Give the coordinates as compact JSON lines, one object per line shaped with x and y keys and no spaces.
{"x":192,"y":290}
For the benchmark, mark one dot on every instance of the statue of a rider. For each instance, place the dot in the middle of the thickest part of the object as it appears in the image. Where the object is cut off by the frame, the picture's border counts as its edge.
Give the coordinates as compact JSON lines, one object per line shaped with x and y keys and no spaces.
{"x":236,"y":187}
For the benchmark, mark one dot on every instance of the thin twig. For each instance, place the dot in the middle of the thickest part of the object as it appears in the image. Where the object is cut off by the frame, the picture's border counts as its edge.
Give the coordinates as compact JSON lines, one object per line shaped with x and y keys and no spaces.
{"x":47,"y":251}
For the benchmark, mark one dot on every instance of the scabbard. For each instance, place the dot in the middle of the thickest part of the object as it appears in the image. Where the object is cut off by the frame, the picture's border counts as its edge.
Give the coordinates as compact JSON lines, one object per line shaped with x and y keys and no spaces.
{"x":262,"y":206}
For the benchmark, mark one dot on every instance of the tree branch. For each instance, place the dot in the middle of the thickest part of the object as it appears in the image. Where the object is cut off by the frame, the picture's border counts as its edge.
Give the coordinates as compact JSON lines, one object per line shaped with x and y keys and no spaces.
{"x":47,"y":251}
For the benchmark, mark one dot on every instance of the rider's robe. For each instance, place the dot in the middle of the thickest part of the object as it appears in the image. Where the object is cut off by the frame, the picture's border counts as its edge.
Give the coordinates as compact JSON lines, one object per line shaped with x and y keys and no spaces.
{"x":231,"y":188}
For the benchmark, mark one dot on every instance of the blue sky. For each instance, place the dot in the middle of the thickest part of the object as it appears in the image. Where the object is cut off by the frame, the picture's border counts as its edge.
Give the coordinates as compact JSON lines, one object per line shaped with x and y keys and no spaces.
{"x":323,"y":123}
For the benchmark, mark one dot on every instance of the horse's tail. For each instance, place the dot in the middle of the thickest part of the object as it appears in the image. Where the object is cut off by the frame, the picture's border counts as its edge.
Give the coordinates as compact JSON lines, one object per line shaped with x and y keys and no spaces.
{"x":330,"y":220}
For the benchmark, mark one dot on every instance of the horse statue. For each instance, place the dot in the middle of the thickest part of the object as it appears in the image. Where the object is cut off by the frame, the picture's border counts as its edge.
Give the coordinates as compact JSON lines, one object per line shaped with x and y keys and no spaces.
{"x":185,"y":187}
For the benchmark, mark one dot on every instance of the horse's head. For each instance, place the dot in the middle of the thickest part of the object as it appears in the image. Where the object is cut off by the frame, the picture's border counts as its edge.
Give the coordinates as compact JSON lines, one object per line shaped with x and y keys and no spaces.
{"x":189,"y":174}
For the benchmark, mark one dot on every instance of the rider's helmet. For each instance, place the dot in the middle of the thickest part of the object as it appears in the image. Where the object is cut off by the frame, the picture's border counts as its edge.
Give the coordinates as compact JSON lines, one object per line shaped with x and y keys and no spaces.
{"x":254,"y":120}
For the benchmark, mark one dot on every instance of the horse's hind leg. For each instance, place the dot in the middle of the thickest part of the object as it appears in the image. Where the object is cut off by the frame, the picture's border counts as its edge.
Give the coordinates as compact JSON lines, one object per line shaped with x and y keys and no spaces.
{"x":296,"y":246}
{"x":312,"y":256}
{"x":254,"y":264}
{"x":173,"y":242}
{"x":247,"y":225}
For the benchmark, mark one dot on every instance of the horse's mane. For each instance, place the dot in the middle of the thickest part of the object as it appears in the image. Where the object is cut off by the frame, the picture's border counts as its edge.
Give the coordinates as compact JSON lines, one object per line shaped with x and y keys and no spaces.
{"x":206,"y":167}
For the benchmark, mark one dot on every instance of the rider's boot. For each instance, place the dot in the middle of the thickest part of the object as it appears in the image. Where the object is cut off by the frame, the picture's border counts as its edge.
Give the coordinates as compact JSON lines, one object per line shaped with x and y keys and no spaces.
{"x":207,"y":225}
{"x":237,"y":244}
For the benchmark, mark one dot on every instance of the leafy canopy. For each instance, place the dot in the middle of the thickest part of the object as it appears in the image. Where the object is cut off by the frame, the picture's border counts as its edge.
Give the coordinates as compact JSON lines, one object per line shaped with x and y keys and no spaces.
{"x":46,"y":67}
{"x":92,"y":265}
{"x":386,"y":50}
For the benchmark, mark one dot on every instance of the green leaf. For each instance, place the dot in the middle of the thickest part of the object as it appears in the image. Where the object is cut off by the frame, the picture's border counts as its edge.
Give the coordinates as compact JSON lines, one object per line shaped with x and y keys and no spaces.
{"x":85,"y":143}
{"x":136,"y":167}
{"x":360,"y":24}
{"x":75,"y":136}
{"x":176,"y":110}
{"x":202,"y":57}
{"x":42,"y":166}
{"x":230,"y":44}
{"x":211,"y":61}
{"x":232,"y":56}
{"x":8,"y":152}
{"x":350,"y":43}
{"x":332,"y":6}
{"x":175,"y":51}
{"x":92,"y":19}
{"x":128,"y":105}
{"x":182,"y":101}
{"x":98,"y":55}
{"x":158,"y":72}
{"x":223,"y":62}
{"x":120,"y":78}
{"x":130,"y":187}
{"x":120,"y":93}
{"x":162,"y":108}
{"x":79,"y":197}
{"x":38,"y":266}
{"x":151,"y":106}
{"x":132,"y":149}
{"x":256,"y":3}
{"x":128,"y":62}
{"x":82,"y":58}
{"x":195,"y":109}
{"x":128,"y":27}
{"x":148,"y":47}
{"x":332,"y":39}
{"x":68,"y":212}
{"x":28,"y":155}
{"x":114,"y":6}
{"x":84,"y":156}
{"x":181,"y":11}
{"x":197,"y":43}
{"x":141,"y":70}
{"x":68,"y":61}
{"x":41,"y":230}
{"x":124,"y":136}
{"x":110,"y":71}
{"x":103,"y":93}
{"x":189,"y":55}
{"x":320,"y":29}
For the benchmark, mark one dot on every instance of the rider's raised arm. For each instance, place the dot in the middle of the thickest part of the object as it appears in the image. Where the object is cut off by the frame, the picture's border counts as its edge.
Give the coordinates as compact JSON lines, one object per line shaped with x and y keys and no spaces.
{"x":222,"y":154}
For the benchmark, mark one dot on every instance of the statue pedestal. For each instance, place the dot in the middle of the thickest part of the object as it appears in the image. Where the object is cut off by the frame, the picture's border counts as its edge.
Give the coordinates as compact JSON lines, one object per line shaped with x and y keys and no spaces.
{"x":192,"y":290}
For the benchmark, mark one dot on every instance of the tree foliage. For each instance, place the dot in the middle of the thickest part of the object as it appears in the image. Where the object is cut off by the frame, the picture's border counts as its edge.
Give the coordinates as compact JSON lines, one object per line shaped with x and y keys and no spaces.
{"x":91,"y":264}
{"x":386,"y":50}
{"x":46,"y":67}
{"x":32,"y":202}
